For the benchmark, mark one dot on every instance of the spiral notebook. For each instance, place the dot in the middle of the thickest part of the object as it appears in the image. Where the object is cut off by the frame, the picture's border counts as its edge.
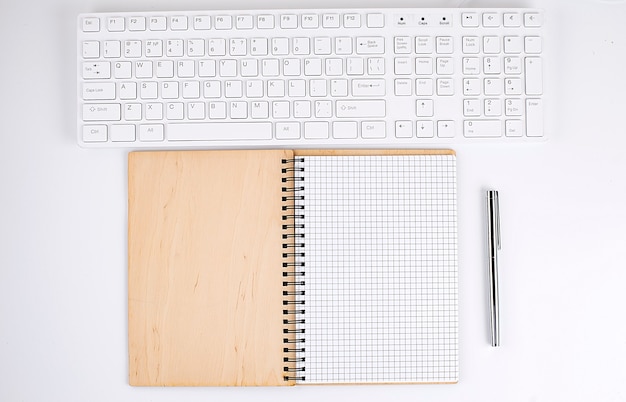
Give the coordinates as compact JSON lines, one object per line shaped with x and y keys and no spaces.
{"x":279,"y":267}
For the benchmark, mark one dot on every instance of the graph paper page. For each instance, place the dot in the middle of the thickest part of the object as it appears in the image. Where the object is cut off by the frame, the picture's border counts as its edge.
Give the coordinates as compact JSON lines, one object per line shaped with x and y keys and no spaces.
{"x":380,"y":266}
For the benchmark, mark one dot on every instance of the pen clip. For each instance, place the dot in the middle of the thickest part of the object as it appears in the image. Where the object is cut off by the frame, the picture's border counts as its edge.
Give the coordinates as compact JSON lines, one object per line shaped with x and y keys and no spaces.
{"x":496,"y":208}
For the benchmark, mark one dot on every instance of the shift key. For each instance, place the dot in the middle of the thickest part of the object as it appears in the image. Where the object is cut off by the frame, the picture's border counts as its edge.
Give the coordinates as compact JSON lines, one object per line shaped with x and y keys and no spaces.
{"x":361,"y":108}
{"x":102,"y":112}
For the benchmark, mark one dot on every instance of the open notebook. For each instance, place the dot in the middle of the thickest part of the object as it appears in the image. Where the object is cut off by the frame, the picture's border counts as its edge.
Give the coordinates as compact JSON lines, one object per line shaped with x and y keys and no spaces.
{"x":279,"y":267}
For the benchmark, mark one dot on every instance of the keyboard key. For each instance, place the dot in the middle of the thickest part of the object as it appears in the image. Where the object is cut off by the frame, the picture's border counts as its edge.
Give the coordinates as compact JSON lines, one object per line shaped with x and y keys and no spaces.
{"x":99,"y":91}
{"x":514,"y":128}
{"x":402,"y":87}
{"x":491,"y":20}
{"x":491,"y":65}
{"x":532,"y":20}
{"x":491,"y":44}
{"x":158,"y":23}
{"x":91,"y":24}
{"x":302,"y":109}
{"x":402,"y":45}
{"x":123,"y":132}
{"x":482,"y":128}
{"x":321,"y":46}
{"x":445,"y":129}
{"x":445,"y":45}
{"x":95,"y":133}
{"x":223,"y":22}
{"x":259,"y":110}
{"x":424,"y":87}
{"x":471,"y":107}
{"x":404,"y":129}
{"x":330,"y":21}
{"x":375,"y":20}
{"x":91,"y":49}
{"x":151,"y":132}
{"x":471,"y":45}
{"x":352,"y":20}
{"x":512,"y":44}
{"x":116,"y":24}
{"x":513,"y":107}
{"x":471,"y":65}
{"x":102,"y":112}
{"x":534,"y":76}
{"x":492,"y":86}
{"x":201,"y":22}
{"x":445,"y":87}
{"x":493,"y":107}
{"x":288,"y":131}
{"x":316,"y":130}
{"x":219,"y":131}
{"x":217,"y":47}
{"x":196,"y":111}
{"x":470,"y":20}
{"x":345,"y":129}
{"x":265,"y":21}
{"x":360,"y":108}
{"x":373,"y":129}
{"x":310,"y":21}
{"x":132,"y":49}
{"x":424,"y":107}
{"x":512,"y":20}
{"x":424,"y":129}
{"x":471,"y":86}
{"x":534,"y":118}
{"x":97,"y":70}
{"x":244,"y":22}
{"x":366,"y":87}
{"x":445,"y":66}
{"x":137,"y":24}
{"x":178,"y":23}
{"x":512,"y":65}
{"x":112,"y":49}
{"x":424,"y":44}
{"x":289,"y":21}
{"x":532,"y":44}
{"x":370,"y":45}
{"x":280,"y":46}
{"x":513,"y":86}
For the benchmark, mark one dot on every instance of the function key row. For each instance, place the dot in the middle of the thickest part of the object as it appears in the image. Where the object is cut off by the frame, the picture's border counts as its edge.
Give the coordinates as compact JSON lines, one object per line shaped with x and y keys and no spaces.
{"x":226,"y":22}
{"x":495,"y":20}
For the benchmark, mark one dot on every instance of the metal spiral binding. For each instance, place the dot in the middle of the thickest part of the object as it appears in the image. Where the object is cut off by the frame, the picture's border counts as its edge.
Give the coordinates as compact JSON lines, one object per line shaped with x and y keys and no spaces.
{"x":293,"y":269}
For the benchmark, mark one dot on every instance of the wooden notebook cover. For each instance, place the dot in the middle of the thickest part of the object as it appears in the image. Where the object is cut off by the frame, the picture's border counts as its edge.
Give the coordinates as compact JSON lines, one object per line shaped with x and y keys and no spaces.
{"x":205,"y":268}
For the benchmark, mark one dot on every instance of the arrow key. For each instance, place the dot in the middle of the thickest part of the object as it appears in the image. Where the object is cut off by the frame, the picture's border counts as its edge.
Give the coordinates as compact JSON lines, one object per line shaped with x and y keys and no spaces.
{"x":424,"y":129}
{"x":404,"y":129}
{"x":445,"y":129}
{"x":424,"y":107}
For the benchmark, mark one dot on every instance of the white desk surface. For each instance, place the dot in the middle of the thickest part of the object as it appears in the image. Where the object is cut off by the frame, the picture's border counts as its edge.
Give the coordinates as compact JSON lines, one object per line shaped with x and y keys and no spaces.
{"x":63,"y":286}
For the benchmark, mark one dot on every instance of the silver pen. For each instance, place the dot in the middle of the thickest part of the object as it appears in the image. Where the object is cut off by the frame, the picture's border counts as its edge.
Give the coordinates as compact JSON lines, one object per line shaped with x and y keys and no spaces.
{"x":493,"y":240}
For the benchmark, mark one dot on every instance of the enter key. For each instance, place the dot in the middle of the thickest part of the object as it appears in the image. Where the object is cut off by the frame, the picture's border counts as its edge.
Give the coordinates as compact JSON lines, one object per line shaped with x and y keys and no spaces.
{"x":366,"y":87}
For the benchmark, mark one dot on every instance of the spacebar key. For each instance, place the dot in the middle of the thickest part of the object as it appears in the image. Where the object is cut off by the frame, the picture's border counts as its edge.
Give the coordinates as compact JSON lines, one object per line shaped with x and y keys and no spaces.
{"x":219,"y":131}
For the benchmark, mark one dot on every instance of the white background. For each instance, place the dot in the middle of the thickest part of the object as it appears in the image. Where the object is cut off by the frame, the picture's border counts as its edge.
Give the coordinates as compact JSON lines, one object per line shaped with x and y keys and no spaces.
{"x":63,"y":286}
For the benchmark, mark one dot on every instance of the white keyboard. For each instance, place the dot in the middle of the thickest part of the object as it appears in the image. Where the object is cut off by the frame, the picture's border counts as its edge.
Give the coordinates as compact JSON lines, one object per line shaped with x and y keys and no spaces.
{"x":327,"y":78}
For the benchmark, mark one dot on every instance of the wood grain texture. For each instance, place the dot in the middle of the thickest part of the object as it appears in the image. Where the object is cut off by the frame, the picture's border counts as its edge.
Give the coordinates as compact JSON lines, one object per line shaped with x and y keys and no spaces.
{"x":204,"y":268}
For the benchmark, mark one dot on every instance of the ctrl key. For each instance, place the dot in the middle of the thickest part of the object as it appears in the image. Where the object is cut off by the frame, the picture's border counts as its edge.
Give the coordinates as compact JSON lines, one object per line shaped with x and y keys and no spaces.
{"x":95,"y":133}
